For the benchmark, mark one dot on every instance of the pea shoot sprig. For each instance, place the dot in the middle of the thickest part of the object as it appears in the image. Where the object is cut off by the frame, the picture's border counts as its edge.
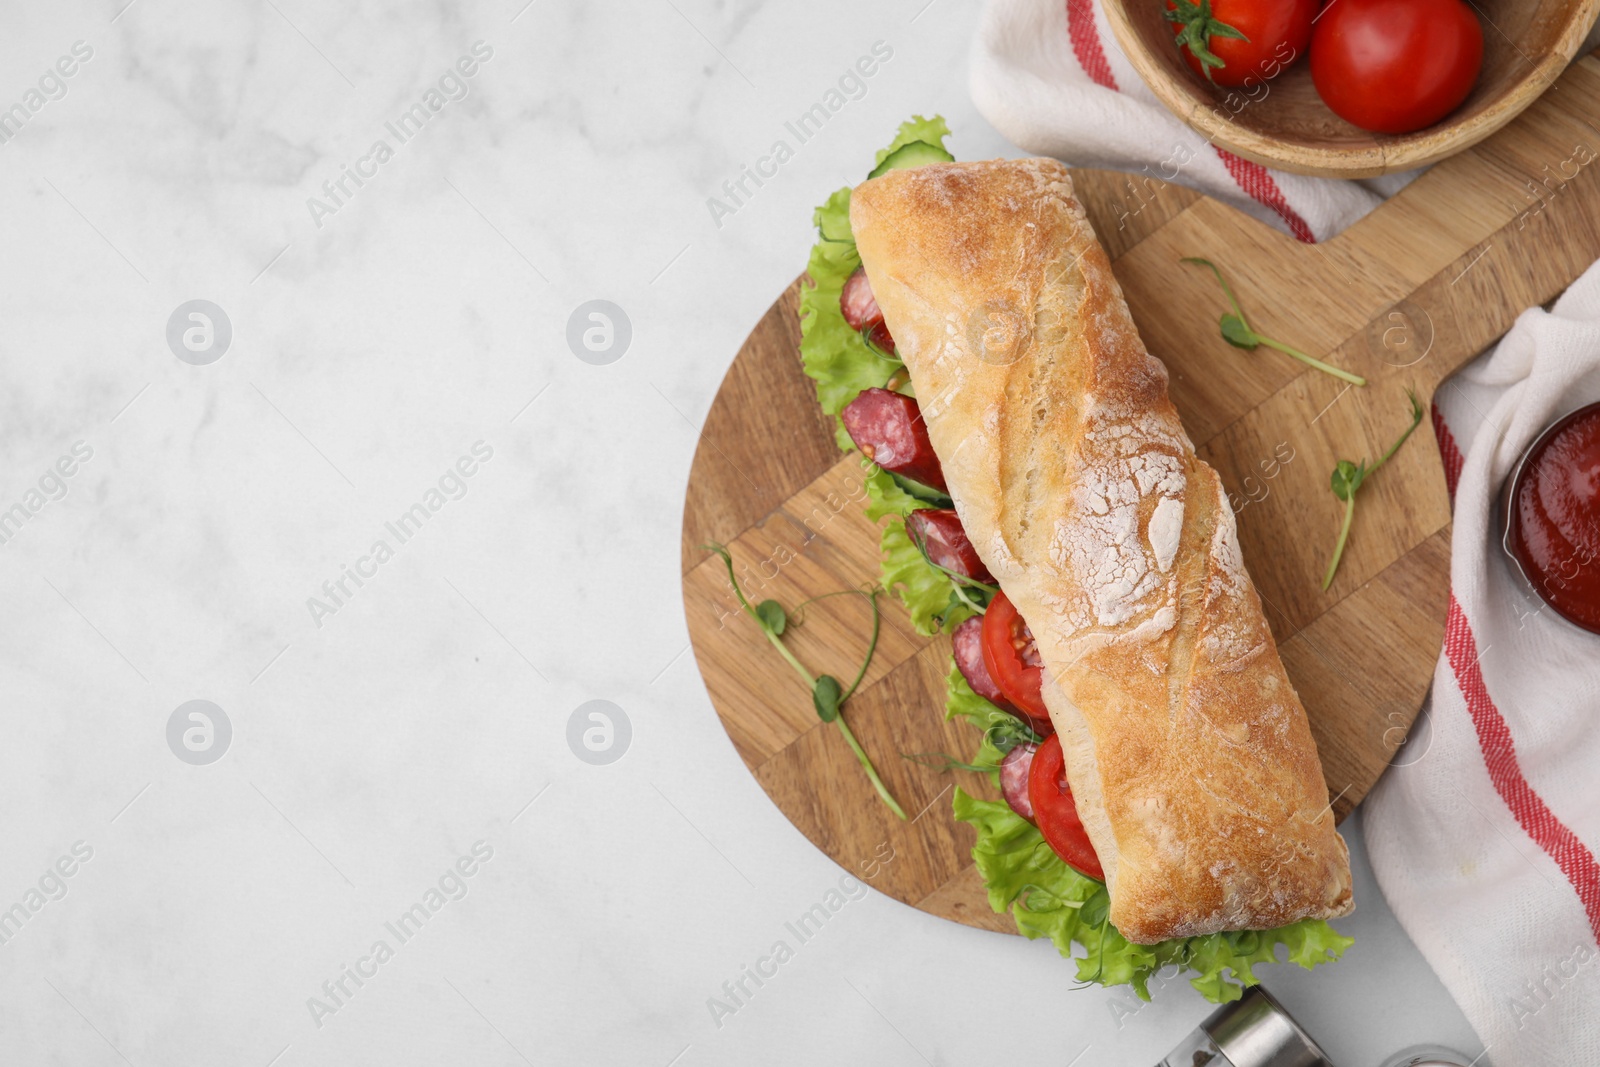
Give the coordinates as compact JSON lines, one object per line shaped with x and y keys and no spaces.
{"x":827,"y":695}
{"x":1237,"y":332}
{"x":964,"y":591}
{"x":1004,"y":731}
{"x":1348,"y":477}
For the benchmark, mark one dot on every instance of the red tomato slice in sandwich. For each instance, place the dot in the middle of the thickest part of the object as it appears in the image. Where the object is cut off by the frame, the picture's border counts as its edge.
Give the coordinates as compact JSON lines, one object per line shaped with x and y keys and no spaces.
{"x":1054,"y":812}
{"x":1013,"y":659}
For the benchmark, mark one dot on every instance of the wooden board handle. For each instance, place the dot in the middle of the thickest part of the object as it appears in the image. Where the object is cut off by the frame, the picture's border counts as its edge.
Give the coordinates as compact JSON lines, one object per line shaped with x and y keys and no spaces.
{"x":1525,"y":204}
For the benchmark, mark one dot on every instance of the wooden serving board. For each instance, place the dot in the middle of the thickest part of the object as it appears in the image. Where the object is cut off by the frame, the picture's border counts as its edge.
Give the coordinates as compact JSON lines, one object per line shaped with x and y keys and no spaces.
{"x":1403,"y":297}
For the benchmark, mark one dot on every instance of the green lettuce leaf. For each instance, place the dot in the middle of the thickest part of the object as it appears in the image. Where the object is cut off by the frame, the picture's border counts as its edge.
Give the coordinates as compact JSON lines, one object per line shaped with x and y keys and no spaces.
{"x":834,"y":355}
{"x":842,"y":364}
{"x":928,"y":594}
{"x":960,"y":702}
{"x":1049,"y":899}
{"x":885,"y":497}
{"x":1001,"y":730}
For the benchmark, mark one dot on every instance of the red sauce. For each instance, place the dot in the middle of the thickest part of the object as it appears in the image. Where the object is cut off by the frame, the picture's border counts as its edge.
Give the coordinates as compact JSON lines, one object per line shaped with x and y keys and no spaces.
{"x":1554,"y":520}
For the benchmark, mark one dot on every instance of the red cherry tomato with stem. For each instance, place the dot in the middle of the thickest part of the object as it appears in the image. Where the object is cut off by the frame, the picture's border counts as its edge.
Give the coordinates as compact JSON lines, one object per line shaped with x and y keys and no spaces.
{"x":1241,"y":42}
{"x":1394,"y":66}
{"x":1055,"y":813}
{"x":1012,"y":657}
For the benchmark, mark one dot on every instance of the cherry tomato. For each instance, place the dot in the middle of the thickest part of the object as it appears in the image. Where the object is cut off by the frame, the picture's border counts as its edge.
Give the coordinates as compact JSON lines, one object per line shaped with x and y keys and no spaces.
{"x":1012,"y":657}
{"x":1394,"y":66}
{"x":1275,"y":34}
{"x":1055,"y":813}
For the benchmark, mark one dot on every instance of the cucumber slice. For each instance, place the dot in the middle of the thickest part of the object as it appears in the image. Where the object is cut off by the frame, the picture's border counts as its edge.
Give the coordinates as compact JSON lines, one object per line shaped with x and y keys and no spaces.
{"x":911,"y":154}
{"x":925,"y":493}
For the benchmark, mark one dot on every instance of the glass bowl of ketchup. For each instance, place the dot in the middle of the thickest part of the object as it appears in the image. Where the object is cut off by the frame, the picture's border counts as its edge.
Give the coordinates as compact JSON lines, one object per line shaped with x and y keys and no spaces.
{"x":1552,"y":517}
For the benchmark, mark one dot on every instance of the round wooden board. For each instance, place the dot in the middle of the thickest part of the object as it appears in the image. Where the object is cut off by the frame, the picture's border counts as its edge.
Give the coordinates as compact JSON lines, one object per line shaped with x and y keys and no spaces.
{"x":1404,"y":297}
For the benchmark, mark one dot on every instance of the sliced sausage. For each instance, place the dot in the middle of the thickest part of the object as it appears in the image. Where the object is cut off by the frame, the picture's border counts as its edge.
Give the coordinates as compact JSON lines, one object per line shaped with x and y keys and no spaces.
{"x":880,"y":336}
{"x":967,"y":644}
{"x":1014,"y":779}
{"x":942,"y":537}
{"x":889,"y":430}
{"x":857,"y":304}
{"x":966,"y":641}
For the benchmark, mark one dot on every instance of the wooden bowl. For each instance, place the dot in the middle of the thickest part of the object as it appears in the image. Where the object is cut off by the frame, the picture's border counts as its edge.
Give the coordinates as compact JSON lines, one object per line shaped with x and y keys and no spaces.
{"x":1526,"y":44}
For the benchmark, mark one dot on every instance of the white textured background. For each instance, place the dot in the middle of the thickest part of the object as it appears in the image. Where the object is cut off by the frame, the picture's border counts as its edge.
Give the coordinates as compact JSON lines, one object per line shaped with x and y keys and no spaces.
{"x":368,"y":754}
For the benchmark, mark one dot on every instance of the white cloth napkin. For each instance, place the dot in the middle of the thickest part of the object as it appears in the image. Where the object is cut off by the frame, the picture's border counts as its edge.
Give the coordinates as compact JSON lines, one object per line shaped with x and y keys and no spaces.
{"x":1050,"y":76}
{"x":1483,"y":835}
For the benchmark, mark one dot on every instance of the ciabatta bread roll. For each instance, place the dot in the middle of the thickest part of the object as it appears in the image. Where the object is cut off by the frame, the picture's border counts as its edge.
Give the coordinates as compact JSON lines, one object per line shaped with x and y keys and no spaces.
{"x":1187,"y":749}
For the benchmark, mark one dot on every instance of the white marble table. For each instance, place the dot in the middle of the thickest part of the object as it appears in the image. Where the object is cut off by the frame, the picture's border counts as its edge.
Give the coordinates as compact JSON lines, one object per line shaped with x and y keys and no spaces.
{"x":401,"y":341}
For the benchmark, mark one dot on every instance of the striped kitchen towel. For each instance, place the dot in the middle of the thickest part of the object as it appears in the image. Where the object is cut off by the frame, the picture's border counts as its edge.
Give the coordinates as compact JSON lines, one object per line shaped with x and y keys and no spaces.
{"x":1483,"y":835}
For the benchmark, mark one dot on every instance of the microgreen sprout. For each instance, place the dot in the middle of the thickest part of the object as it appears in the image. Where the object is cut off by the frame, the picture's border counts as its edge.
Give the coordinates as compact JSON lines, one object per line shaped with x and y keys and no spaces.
{"x":1237,"y":332}
{"x":964,"y":592}
{"x":1348,"y":477}
{"x":827,"y":695}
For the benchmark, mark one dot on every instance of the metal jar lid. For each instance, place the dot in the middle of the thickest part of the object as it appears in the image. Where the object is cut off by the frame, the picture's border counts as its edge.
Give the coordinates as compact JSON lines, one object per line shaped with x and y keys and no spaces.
{"x":1255,"y":1031}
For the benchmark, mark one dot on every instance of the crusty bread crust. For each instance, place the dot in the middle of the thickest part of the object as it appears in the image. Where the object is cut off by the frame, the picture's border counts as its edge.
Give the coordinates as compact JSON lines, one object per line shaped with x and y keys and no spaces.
{"x":1191,"y":761}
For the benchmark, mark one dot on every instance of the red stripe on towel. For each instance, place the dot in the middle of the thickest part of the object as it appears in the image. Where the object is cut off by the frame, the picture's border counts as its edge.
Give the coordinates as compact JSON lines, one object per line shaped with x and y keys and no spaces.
{"x":1449,"y":451}
{"x":1258,"y":183}
{"x":1500,"y":758}
{"x":1086,"y":43}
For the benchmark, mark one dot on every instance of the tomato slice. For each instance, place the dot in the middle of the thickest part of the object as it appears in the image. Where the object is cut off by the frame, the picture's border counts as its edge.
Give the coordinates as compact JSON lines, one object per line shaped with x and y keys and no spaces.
{"x":1055,"y":813}
{"x":1013,"y":660}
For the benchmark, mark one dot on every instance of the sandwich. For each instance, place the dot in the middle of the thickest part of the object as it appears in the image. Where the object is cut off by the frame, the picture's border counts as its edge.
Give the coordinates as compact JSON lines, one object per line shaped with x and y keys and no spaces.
{"x":1163,"y":800}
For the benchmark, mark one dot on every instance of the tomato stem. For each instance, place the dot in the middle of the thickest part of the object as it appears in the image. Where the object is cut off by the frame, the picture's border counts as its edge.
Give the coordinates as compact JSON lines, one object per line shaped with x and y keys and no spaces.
{"x":1198,"y":27}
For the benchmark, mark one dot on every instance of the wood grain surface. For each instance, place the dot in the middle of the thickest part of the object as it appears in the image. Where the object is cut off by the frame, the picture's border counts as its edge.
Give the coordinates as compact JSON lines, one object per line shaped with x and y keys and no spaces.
{"x":1284,"y":123}
{"x":1404,"y":297}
